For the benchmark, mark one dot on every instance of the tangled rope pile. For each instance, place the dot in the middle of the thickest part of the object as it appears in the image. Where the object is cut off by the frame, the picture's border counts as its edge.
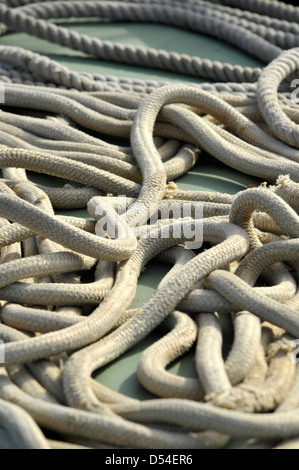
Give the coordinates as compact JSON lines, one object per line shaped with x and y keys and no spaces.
{"x":248,"y":268}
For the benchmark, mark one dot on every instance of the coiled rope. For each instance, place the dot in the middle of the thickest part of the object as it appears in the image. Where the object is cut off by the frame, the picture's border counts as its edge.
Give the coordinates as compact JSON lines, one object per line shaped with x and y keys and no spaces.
{"x":67,"y":283}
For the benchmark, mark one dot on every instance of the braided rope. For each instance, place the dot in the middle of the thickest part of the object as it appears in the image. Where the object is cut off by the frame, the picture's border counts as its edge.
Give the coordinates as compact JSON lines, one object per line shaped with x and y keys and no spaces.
{"x":67,"y":283}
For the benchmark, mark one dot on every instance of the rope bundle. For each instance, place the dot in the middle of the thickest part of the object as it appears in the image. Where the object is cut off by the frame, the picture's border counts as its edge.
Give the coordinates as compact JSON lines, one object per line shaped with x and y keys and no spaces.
{"x":249,"y":266}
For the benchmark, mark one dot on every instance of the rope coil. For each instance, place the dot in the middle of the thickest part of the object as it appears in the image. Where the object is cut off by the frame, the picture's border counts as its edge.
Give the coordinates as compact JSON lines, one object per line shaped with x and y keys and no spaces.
{"x":67,"y":283}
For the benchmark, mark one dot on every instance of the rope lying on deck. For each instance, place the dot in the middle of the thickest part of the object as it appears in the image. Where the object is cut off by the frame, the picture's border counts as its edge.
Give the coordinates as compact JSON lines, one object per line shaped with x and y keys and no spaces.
{"x":59,"y":325}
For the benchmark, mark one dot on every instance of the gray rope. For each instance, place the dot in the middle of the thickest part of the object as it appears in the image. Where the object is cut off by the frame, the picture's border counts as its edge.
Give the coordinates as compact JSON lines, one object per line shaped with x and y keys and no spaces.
{"x":67,"y":283}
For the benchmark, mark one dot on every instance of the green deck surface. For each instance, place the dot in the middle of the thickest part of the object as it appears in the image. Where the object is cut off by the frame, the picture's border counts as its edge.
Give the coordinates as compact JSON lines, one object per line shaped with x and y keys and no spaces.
{"x":208,"y":174}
